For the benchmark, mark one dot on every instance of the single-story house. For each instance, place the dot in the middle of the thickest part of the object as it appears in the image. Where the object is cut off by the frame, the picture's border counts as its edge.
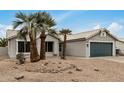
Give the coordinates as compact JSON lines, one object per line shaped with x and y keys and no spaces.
{"x":95,"y":43}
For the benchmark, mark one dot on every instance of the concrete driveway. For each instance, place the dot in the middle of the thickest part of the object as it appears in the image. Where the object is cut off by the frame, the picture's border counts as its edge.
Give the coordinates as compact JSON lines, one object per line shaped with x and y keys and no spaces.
{"x":119,"y":59}
{"x":114,"y":59}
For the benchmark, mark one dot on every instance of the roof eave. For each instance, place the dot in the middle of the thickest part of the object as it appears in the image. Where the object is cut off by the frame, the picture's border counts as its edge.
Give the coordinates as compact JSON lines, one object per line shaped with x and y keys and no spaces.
{"x":75,"y":40}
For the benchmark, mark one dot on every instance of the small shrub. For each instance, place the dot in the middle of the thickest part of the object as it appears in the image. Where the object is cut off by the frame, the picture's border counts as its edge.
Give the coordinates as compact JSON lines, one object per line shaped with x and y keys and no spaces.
{"x":21,"y":58}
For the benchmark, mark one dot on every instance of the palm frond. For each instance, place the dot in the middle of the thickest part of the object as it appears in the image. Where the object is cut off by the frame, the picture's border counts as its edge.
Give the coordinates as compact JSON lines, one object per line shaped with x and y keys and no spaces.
{"x":3,"y":42}
{"x":44,"y":19}
{"x":22,"y":33}
{"x":65,"y":31}
{"x":17,"y":23}
{"x":52,"y":31}
{"x":22,"y":16}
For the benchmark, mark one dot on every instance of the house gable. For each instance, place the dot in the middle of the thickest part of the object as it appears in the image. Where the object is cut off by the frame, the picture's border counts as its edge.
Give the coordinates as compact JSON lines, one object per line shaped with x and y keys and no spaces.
{"x":99,"y":37}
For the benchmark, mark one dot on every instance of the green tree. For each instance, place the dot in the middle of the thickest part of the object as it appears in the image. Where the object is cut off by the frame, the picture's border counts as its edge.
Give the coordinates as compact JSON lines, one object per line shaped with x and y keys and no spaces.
{"x":27,"y":26}
{"x":64,"y":32}
{"x":45,"y":23}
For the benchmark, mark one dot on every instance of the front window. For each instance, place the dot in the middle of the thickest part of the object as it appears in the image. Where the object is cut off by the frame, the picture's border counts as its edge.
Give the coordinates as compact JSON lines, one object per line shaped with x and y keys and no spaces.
{"x":49,"y":46}
{"x":60,"y":47}
{"x":23,"y":46}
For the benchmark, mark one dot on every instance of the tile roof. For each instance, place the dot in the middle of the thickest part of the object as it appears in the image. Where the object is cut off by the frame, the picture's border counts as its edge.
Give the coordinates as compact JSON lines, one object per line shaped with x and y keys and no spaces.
{"x":83,"y":35}
{"x":79,"y":36}
{"x":121,"y":39}
{"x":11,"y":33}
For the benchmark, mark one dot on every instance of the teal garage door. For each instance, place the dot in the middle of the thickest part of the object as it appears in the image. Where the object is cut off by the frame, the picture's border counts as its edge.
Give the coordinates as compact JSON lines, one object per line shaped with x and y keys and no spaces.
{"x":98,"y":49}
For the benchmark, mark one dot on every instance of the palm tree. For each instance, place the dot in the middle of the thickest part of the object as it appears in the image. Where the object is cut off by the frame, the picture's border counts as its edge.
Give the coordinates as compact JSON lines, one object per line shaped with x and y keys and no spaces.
{"x":45,"y":23}
{"x":3,"y":42}
{"x":27,"y":27}
{"x":64,"y":32}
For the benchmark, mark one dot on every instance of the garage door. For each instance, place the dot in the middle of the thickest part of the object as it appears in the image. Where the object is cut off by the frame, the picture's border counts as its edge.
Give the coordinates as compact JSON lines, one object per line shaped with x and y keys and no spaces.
{"x":98,"y":49}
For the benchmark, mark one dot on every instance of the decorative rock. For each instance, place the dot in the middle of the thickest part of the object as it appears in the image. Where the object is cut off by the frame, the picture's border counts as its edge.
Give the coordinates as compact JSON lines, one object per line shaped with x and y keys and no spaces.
{"x":75,"y":80}
{"x":78,"y":69}
{"x":59,"y":62}
{"x":96,"y":69}
{"x":70,"y":72}
{"x":15,"y":67}
{"x":59,"y":67}
{"x":19,"y":77}
{"x":45,"y":64}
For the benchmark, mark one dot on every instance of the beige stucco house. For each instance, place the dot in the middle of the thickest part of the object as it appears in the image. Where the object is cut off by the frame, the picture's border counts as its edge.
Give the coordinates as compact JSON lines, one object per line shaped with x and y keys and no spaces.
{"x":95,"y":43}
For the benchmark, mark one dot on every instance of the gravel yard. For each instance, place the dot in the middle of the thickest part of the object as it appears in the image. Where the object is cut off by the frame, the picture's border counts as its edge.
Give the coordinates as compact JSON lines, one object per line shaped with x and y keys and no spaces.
{"x":56,"y":70}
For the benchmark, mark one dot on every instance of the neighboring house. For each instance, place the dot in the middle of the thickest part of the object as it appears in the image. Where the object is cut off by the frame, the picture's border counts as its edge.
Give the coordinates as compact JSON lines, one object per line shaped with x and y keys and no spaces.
{"x":16,"y":45}
{"x":120,"y":45}
{"x":93,"y":43}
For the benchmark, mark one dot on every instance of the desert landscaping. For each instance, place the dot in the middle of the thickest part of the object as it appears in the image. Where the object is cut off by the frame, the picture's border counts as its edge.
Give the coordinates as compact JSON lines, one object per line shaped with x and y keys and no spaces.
{"x":54,"y":69}
{"x":35,"y":51}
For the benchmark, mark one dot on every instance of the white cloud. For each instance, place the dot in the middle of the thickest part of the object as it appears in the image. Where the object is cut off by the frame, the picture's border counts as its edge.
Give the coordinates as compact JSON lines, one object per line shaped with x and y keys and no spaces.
{"x":9,"y":27}
{"x":97,"y":26}
{"x":3,"y":29}
{"x":115,"y":27}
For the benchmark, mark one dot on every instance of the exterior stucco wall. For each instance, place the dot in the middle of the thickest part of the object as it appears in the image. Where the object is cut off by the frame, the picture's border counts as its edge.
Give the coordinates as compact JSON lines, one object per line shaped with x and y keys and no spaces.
{"x":76,"y":48}
{"x":12,"y":48}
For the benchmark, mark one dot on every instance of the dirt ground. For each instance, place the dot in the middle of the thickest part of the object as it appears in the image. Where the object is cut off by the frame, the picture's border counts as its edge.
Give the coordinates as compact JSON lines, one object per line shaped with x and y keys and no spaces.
{"x":56,"y":70}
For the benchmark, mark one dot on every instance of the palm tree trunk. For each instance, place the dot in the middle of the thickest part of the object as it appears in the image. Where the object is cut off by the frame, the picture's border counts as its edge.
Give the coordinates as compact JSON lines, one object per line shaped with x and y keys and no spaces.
{"x":34,"y":57}
{"x":42,"y":47}
{"x":64,"y":48}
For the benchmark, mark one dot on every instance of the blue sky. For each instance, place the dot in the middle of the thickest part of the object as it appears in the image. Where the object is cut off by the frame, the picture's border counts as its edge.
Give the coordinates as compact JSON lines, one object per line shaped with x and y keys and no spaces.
{"x":77,"y":21}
